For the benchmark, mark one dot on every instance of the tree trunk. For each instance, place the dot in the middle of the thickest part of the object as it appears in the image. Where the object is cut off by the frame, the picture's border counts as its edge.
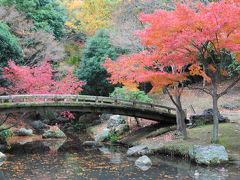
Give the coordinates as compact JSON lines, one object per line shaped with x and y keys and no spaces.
{"x":215,"y":114}
{"x":180,"y":117}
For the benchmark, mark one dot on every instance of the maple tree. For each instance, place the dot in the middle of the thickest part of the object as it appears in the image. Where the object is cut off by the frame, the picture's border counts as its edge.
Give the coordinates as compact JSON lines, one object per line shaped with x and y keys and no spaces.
{"x":39,"y":80}
{"x":206,"y":36}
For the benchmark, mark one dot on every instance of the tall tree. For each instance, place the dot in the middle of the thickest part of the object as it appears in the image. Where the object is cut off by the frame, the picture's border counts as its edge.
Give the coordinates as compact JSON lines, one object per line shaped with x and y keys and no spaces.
{"x":9,"y":46}
{"x":125,"y":21}
{"x":36,"y":44}
{"x":90,"y":70}
{"x":89,"y":16}
{"x":46,"y":14}
{"x":202,"y":35}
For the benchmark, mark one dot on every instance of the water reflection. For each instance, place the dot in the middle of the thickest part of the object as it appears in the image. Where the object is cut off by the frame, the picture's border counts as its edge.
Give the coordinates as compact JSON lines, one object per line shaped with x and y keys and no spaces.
{"x":102,"y":163}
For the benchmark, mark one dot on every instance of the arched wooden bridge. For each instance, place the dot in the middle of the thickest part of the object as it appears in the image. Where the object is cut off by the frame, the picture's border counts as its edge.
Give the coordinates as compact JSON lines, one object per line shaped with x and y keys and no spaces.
{"x":99,"y":104}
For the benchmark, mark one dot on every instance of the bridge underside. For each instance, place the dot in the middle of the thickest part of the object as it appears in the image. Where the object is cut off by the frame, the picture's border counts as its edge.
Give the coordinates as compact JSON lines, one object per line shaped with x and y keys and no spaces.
{"x":158,"y":116}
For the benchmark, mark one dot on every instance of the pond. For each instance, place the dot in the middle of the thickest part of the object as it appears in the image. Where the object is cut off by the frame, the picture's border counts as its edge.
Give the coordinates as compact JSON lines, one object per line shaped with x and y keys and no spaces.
{"x":71,"y":161}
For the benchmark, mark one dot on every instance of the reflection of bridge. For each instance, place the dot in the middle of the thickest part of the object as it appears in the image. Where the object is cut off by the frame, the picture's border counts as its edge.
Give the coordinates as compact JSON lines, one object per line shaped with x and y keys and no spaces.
{"x":99,"y":104}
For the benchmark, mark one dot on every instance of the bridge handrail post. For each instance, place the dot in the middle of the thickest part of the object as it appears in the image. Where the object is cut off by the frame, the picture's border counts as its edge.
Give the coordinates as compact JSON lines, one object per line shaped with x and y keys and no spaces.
{"x":116,"y":100}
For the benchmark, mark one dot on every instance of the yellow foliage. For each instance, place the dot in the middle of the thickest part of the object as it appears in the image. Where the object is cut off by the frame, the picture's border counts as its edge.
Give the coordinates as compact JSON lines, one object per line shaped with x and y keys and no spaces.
{"x":89,"y":15}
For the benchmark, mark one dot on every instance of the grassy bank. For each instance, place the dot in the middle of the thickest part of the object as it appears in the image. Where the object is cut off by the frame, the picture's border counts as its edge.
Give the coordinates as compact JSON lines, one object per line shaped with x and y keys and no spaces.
{"x":229,"y":134}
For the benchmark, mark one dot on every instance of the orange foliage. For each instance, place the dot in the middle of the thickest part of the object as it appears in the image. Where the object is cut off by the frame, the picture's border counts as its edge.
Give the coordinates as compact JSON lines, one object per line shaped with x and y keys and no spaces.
{"x":174,"y":39}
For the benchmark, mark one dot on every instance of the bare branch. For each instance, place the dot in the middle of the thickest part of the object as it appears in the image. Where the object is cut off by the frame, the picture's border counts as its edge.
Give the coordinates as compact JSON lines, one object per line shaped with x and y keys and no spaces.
{"x":229,"y":87}
{"x":201,"y":89}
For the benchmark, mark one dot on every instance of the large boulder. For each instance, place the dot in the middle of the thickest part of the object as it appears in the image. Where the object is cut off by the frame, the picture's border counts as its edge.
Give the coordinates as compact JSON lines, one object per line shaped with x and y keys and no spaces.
{"x":206,"y":118}
{"x":54,"y":132}
{"x":138,"y":150}
{"x":208,"y":155}
{"x":39,"y":126}
{"x":24,"y":132}
{"x":121,"y":129}
{"x":144,"y":163}
{"x":104,"y":117}
{"x":209,"y":112}
{"x":103,"y":135}
{"x":115,"y":120}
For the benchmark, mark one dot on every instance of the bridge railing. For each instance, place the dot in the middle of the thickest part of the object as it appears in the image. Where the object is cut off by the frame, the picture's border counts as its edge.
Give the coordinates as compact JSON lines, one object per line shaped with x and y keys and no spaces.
{"x":80,"y":99}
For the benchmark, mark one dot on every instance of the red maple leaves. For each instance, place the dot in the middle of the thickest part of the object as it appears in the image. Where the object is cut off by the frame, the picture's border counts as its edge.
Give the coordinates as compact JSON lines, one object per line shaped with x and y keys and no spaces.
{"x":39,"y":80}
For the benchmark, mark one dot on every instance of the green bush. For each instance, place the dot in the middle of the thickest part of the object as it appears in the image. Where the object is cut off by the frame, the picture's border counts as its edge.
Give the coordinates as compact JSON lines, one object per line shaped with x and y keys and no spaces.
{"x":4,"y":134}
{"x":123,"y":93}
{"x":97,"y":49}
{"x":113,"y":137}
{"x":9,"y":47}
{"x":74,"y":53}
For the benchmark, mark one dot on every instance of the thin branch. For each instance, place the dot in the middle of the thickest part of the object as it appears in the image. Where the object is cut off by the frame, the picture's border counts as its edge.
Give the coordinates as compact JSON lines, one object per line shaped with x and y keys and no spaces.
{"x":6,"y":118}
{"x":201,"y":89}
{"x":172,"y":99}
{"x":229,"y":87}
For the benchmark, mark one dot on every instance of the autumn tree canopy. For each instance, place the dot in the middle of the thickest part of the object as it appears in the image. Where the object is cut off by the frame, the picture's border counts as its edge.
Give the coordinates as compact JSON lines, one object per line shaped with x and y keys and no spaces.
{"x":201,"y":35}
{"x":89,"y":16}
{"x":39,"y":80}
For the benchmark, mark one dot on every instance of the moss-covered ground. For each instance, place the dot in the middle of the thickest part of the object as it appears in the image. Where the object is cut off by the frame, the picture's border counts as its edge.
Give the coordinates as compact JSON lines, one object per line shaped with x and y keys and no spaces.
{"x":229,"y":137}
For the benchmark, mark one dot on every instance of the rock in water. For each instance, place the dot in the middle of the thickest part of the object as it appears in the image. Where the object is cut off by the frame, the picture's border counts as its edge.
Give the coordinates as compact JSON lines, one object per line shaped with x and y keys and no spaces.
{"x":3,"y":158}
{"x":54,"y":132}
{"x":208,"y":155}
{"x":144,"y":163}
{"x":115,"y":120}
{"x":138,"y":150}
{"x":92,"y":144}
{"x":24,"y":132}
{"x":103,"y":135}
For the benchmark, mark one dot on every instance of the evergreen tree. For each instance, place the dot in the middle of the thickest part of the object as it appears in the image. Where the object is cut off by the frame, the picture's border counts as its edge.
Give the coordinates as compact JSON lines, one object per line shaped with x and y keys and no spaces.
{"x":91,"y":70}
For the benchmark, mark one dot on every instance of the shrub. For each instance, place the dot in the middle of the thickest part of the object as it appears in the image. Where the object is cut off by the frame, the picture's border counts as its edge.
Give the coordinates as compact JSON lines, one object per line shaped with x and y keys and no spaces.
{"x":125,"y":94}
{"x":9,"y":47}
{"x":4,"y":134}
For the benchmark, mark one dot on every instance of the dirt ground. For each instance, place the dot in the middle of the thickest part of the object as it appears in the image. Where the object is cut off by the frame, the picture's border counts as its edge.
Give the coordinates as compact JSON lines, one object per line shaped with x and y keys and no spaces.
{"x":201,"y":101}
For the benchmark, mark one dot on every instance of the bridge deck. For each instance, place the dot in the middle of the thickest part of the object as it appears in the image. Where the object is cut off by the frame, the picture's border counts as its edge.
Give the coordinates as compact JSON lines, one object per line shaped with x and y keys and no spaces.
{"x":87,"y":104}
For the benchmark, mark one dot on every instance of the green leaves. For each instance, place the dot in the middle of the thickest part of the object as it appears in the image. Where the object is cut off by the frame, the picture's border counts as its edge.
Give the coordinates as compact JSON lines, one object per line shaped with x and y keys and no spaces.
{"x":9,"y":47}
{"x":47,"y":14}
{"x":96,"y":51}
{"x":123,"y":93}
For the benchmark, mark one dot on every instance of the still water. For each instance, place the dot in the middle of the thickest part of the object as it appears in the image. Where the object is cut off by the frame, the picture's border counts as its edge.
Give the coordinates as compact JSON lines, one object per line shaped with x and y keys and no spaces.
{"x":59,"y":160}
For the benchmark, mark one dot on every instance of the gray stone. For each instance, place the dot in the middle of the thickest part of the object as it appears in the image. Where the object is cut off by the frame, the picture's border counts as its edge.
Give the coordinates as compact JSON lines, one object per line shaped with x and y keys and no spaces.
{"x":24,"y":132}
{"x":144,"y":163}
{"x":138,"y":150}
{"x":208,"y":155}
{"x":3,"y":158}
{"x":103,"y":135}
{"x":121,"y":129}
{"x":104,"y":117}
{"x":206,"y":118}
{"x":39,"y":126}
{"x":115,"y":121}
{"x":54,"y":133}
{"x":92,"y":144}
{"x":209,"y":112}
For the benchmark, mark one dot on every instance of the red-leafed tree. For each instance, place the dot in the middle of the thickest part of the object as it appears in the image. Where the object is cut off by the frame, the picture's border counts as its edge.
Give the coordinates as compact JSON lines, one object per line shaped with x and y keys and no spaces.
{"x":39,"y":80}
{"x":206,"y":36}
